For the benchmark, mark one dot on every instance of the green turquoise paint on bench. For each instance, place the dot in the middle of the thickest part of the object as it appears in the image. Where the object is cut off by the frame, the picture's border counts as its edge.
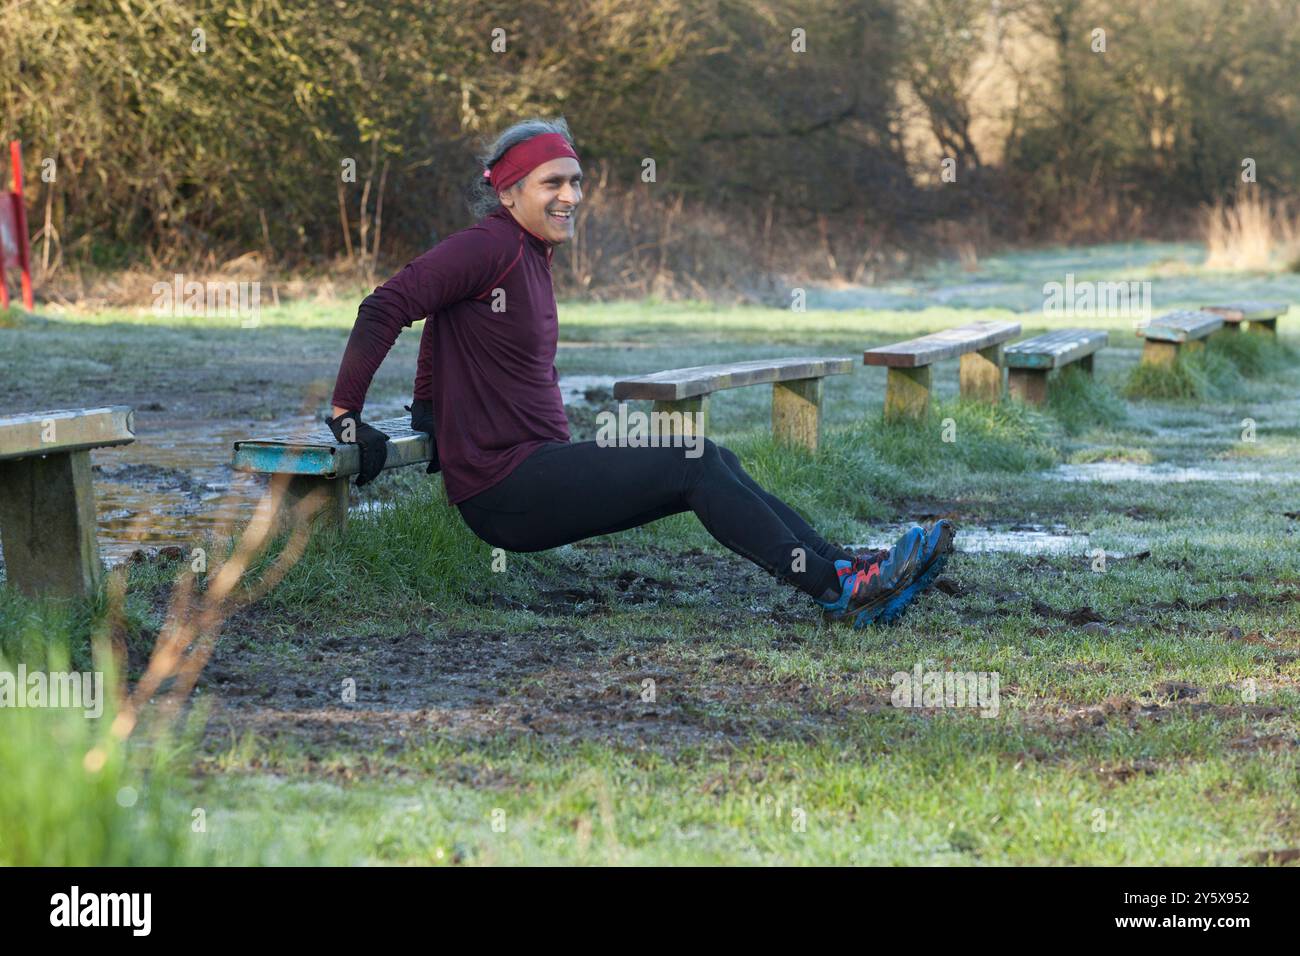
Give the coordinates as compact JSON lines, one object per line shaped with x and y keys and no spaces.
{"x":1180,"y":327}
{"x":317,"y":454}
{"x":1054,"y":349}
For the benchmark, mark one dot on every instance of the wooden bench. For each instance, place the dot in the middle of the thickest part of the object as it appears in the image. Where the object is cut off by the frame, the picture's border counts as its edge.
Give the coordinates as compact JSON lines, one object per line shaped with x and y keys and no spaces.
{"x":907,"y":390}
{"x":1262,"y":316}
{"x":47,"y":497}
{"x":1167,"y":334}
{"x":307,"y":463}
{"x":1030,"y":361}
{"x":796,"y":391}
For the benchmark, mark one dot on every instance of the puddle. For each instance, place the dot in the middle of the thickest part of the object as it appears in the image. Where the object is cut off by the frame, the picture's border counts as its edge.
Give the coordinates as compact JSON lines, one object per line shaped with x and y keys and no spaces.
{"x":1056,"y":540}
{"x":1017,"y":539}
{"x":1132,"y":471}
{"x":173,"y":484}
{"x":592,"y":389}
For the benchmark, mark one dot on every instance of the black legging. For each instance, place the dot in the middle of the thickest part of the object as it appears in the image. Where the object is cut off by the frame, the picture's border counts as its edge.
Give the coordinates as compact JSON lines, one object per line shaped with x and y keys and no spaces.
{"x":565,"y":492}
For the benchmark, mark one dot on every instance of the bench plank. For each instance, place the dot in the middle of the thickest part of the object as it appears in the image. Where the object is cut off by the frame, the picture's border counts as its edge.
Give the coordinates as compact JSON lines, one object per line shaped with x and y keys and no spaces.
{"x":73,"y":429}
{"x":675,"y":384}
{"x":938,"y":346}
{"x":316,"y":453}
{"x":1247,"y":311}
{"x":1054,"y":349}
{"x":307,"y":464}
{"x":1261,"y":316}
{"x":1181,"y":327}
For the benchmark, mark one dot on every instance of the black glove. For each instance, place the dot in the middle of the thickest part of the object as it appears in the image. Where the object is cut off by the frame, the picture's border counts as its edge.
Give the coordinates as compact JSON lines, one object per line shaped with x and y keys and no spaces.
{"x":351,"y":430}
{"x":421,"y":410}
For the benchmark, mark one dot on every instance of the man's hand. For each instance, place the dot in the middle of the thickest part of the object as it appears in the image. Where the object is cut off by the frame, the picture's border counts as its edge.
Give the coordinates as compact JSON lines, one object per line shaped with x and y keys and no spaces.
{"x":349,"y":429}
{"x":421,"y":410}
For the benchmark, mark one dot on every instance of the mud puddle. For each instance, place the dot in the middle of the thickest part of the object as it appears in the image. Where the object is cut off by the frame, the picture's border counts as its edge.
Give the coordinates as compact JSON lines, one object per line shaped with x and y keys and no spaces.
{"x":588,"y":389}
{"x":1112,"y":471}
{"x":1015,"y":539}
{"x":174,"y":484}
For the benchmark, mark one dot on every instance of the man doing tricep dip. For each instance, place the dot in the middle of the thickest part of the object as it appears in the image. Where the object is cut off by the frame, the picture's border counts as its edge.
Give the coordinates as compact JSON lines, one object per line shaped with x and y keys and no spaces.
{"x":487,"y":394}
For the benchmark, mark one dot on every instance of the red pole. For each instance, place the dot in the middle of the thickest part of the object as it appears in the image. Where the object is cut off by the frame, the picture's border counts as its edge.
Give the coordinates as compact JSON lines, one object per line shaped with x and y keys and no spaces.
{"x":4,"y":282}
{"x":20,"y":221}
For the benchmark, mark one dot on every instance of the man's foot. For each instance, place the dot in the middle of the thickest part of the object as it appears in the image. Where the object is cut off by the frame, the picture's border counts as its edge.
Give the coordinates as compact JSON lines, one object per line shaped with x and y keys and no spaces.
{"x":870,"y":587}
{"x":934,"y":556}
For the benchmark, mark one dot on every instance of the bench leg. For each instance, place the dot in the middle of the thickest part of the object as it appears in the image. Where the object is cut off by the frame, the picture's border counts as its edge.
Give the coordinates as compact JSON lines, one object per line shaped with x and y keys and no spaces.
{"x":907,"y":393}
{"x":330,"y":512}
{"x":1264,"y":327}
{"x":797,"y":412}
{"x":1159,"y":353}
{"x":1085,"y":364}
{"x":694,"y":414}
{"x":47,"y":525}
{"x":1028,"y":385}
{"x":981,"y":374}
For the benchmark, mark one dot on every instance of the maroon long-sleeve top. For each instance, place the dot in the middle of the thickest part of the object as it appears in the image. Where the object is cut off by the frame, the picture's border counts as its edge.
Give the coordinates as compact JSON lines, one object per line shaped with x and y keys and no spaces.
{"x":487,"y":353}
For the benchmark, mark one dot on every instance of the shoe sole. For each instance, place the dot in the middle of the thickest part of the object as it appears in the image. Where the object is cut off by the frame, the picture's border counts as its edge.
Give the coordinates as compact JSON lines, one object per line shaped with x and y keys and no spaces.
{"x":892,"y":608}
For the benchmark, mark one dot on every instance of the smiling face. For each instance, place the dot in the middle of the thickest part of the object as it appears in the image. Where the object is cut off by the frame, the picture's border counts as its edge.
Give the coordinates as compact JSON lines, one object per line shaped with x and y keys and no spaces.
{"x":545,"y":201}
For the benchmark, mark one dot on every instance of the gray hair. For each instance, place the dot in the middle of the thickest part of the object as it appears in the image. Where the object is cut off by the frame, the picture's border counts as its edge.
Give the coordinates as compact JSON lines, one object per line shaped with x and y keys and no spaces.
{"x":482,"y":197}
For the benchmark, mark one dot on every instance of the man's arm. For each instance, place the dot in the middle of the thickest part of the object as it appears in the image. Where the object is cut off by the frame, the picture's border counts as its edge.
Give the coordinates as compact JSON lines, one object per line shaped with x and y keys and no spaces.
{"x":459,"y":267}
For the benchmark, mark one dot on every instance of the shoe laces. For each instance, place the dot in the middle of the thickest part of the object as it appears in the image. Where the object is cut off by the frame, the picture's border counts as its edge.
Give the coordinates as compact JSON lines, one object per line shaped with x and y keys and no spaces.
{"x":863,"y":560}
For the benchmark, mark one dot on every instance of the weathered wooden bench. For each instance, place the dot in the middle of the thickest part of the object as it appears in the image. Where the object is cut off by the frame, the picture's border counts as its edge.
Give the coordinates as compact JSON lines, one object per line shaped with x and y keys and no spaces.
{"x":796,"y":391}
{"x":1029,"y":361}
{"x":307,"y":463}
{"x":907,"y":389}
{"x":1174,"y":331}
{"x":1262,"y":316}
{"x":47,"y":497}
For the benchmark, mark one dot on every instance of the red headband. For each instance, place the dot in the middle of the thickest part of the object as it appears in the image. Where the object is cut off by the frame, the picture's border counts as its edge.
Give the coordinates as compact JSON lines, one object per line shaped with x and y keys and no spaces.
{"x":522,"y":158}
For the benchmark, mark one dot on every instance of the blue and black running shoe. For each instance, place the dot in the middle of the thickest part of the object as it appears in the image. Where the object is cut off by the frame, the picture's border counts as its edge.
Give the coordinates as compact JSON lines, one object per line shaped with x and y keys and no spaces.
{"x":934,"y":557}
{"x":870,"y":585}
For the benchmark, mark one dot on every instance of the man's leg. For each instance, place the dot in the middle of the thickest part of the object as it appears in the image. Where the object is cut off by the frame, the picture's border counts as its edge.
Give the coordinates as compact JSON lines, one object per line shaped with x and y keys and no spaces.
{"x":792,"y":519}
{"x":567,"y":492}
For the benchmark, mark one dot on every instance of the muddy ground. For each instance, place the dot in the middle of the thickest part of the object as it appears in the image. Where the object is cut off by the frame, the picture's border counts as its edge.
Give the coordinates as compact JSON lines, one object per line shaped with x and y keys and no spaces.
{"x":733,"y":657}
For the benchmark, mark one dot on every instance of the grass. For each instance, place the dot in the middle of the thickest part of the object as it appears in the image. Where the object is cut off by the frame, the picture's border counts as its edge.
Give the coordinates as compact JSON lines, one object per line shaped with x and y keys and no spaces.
{"x":1216,"y":372}
{"x":1204,"y":375}
{"x":1147,"y":714}
{"x":1079,"y":402}
{"x":417,"y":549}
{"x":1252,"y":234}
{"x":74,"y":795}
{"x":1134,"y":456}
{"x":1254,"y":355}
{"x":892,"y":791}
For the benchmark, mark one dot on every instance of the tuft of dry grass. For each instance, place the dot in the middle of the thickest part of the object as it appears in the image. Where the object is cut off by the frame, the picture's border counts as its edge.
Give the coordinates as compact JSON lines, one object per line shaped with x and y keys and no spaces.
{"x":1251,"y":234}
